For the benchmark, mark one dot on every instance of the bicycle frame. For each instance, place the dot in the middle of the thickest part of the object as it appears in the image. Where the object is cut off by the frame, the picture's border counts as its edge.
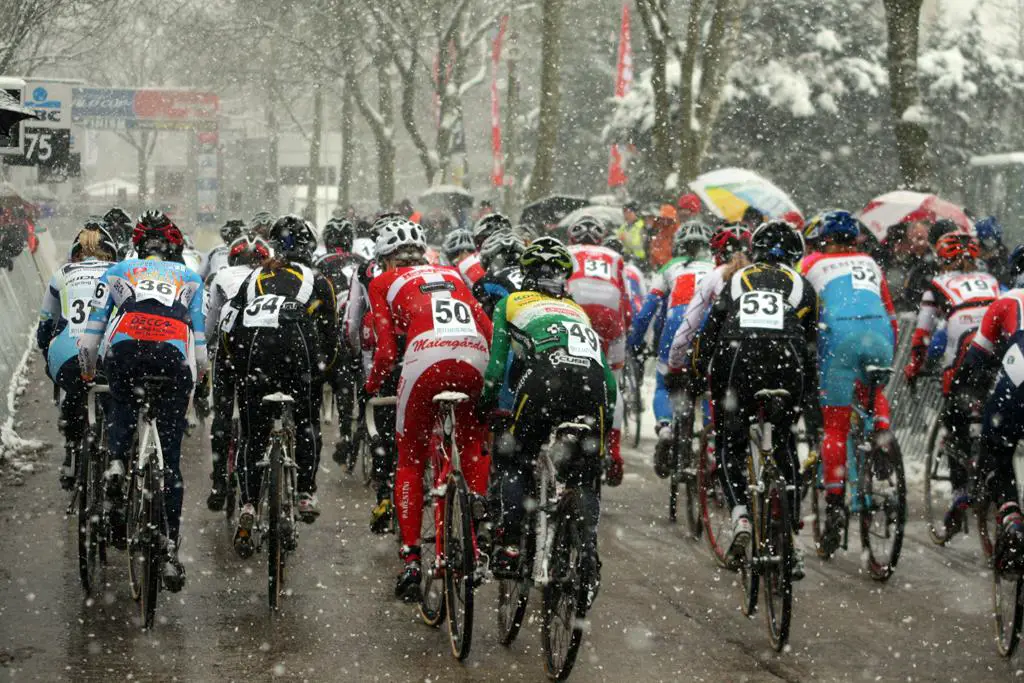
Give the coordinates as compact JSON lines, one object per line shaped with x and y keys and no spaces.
{"x":280,"y":433}
{"x":150,"y":451}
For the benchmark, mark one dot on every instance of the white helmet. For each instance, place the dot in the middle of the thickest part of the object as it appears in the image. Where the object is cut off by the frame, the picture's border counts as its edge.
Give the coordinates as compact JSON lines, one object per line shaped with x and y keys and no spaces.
{"x":587,"y":230}
{"x":396,"y":233}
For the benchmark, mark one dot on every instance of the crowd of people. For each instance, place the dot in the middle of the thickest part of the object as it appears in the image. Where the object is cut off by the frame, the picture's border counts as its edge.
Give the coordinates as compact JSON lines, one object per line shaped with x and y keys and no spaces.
{"x":536,"y":332}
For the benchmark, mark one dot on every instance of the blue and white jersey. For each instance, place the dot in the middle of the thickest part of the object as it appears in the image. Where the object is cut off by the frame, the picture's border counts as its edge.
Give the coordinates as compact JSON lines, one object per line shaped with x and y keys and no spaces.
{"x":850,"y":286}
{"x":151,"y":301}
{"x":65,"y":309}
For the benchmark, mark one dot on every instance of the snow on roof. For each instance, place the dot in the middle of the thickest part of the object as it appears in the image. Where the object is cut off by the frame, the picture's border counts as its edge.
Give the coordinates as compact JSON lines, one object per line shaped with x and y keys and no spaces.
{"x":998,"y":159}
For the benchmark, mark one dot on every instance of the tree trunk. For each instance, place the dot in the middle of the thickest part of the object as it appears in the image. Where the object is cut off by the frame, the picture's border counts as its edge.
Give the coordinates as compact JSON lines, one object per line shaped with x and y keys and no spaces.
{"x":903,"y":19}
{"x":385,"y":141}
{"x":550,"y":94}
{"x":347,"y":143}
{"x":661,"y":131}
{"x":408,"y":109}
{"x":511,"y":141}
{"x":142,"y":157}
{"x":689,"y":154}
{"x":270,"y":187}
{"x":315,"y":141}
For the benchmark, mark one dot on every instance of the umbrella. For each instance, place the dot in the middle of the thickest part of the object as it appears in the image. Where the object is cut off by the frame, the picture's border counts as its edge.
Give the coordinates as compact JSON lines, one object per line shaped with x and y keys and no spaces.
{"x":902,"y":206}
{"x":11,"y":112}
{"x":550,"y":210}
{"x":728,"y":192}
{"x":609,"y":215}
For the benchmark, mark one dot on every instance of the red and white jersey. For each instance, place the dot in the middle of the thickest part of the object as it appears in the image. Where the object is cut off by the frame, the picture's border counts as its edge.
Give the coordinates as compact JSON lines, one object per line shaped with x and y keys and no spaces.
{"x":597,"y":284}
{"x":434,"y":310}
{"x":677,"y":281}
{"x":710,"y":286}
{"x":959,"y":298}
{"x":636,"y":286}
{"x":1003,"y":320}
{"x":471,"y":269}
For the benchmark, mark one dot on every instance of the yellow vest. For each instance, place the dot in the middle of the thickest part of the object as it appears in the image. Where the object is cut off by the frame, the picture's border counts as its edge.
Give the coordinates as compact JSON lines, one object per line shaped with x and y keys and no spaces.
{"x":632,"y":237}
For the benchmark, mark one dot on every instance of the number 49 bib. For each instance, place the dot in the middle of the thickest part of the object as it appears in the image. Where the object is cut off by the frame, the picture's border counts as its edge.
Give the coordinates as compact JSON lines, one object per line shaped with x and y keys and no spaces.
{"x":583,"y":341}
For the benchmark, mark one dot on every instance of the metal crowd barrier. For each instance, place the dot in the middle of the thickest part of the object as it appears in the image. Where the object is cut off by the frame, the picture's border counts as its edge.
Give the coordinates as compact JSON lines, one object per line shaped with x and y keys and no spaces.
{"x":912,"y":414}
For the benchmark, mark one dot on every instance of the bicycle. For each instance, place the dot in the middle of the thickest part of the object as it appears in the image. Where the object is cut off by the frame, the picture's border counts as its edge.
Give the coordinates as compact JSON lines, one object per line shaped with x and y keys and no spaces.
{"x":876,"y":489}
{"x":769,"y":556}
{"x":91,"y":493}
{"x":715,"y":518}
{"x":147,"y":531}
{"x":632,"y":386}
{"x":448,"y":550}
{"x":371,"y":440}
{"x":683,"y":467}
{"x":555,"y":558}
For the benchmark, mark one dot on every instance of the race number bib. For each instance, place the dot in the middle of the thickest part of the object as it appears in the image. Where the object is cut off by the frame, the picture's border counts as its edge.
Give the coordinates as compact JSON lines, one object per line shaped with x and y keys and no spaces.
{"x":761,"y":310}
{"x":79,"y":297}
{"x":865,"y":277}
{"x":227,"y":321}
{"x":598,"y":269}
{"x":1013,"y":365}
{"x":263,"y":311}
{"x":155,"y":290}
{"x":971,"y":286}
{"x":516,"y":278}
{"x":583,"y":341}
{"x":452,"y":318}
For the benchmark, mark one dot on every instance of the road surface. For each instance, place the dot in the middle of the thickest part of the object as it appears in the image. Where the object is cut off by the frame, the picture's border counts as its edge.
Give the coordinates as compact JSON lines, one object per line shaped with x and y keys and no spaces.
{"x":665,"y":611}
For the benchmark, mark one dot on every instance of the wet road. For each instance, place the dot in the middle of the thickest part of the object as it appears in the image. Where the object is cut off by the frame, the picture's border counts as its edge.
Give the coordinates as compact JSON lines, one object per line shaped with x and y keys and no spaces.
{"x":665,"y":612}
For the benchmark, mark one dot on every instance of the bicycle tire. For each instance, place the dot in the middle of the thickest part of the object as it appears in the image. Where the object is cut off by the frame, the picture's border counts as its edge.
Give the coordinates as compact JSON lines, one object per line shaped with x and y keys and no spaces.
{"x":136,"y":520}
{"x":636,"y":400}
{"x":715,"y":520}
{"x":275,"y":545}
{"x":1007,"y":610}
{"x":776,"y":540}
{"x":514,"y":593}
{"x":934,"y":499}
{"x":231,"y":499}
{"x":685,"y":472}
{"x":882,"y":561}
{"x":460,"y":565}
{"x":86,"y":532}
{"x":365,"y":456}
{"x":985,"y":513}
{"x":153,"y":551}
{"x":818,"y":517}
{"x":563,"y":609}
{"x":432,"y":600}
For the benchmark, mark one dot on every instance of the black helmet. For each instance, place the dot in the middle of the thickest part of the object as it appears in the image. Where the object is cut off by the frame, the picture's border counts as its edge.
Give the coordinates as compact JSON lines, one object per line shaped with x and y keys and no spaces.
{"x":488,"y":225}
{"x":501,"y":249}
{"x":615,"y":244}
{"x":156,"y":235}
{"x":777,"y":242}
{"x":231,"y":230}
{"x":339,"y":234}
{"x":292,"y":239}
{"x":117,"y":216}
{"x":1015,"y":265}
{"x":546,"y":265}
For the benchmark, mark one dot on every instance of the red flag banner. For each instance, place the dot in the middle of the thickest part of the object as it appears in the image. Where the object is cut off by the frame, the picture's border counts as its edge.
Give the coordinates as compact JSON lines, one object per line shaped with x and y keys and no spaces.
{"x":498,"y":168}
{"x":623,"y":82}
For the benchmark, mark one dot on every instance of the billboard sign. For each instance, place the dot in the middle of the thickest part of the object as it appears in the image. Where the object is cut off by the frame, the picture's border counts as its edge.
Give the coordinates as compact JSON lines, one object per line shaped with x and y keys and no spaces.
{"x":51,"y":102}
{"x":144,"y":109}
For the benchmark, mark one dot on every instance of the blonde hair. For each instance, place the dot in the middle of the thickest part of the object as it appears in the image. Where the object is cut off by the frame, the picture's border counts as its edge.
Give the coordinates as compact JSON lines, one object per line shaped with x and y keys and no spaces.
{"x":90,"y":243}
{"x":737,"y":261}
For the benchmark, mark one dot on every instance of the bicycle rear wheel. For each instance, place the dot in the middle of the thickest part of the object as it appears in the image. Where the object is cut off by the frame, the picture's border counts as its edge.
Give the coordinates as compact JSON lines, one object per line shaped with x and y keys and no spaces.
{"x":564,"y":607}
{"x":460,"y":565}
{"x":144,"y":505}
{"x":432,"y":603}
{"x":634,"y":397}
{"x":938,"y":492}
{"x":883,"y":510}
{"x":275,"y":540}
{"x":87,"y":549}
{"x":1007,"y":609}
{"x":715,"y":520}
{"x":818,"y":515}
{"x":231,"y":501}
{"x":514,"y":593}
{"x":685,"y":472}
{"x":775,"y":558}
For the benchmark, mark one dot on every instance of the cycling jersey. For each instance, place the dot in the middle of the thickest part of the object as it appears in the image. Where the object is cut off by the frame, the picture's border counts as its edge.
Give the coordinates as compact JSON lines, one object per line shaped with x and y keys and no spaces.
{"x":193,"y":260}
{"x":636,"y":286}
{"x":155,"y":301}
{"x":471,"y":269}
{"x":710,"y":287}
{"x":216,"y":259}
{"x":340,"y":268}
{"x":495,"y":286}
{"x":65,"y":310}
{"x":598,"y":286}
{"x":219,"y":291}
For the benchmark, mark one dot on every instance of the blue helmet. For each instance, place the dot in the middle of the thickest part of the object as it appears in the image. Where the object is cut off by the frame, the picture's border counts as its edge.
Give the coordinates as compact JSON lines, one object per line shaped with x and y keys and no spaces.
{"x":989,"y":230}
{"x":839,"y":225}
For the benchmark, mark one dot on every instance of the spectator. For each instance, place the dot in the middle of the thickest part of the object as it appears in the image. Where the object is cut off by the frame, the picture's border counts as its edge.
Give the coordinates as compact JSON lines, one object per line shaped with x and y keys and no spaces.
{"x":752,"y":218}
{"x":633,"y":232}
{"x":689,"y":208}
{"x":994,"y":253}
{"x":665,"y":226}
{"x":13,"y":239}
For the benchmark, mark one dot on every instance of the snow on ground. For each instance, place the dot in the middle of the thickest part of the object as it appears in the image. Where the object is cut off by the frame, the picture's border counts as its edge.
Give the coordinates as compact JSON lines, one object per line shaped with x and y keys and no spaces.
{"x":16,"y":453}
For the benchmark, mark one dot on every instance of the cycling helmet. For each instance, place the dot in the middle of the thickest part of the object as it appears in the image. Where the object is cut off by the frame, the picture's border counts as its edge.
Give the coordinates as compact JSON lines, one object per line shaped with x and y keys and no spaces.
{"x":1015,"y":266}
{"x":248,"y":251}
{"x":501,"y":249}
{"x":488,"y":225}
{"x":615,"y":244}
{"x":231,"y":230}
{"x":776,"y":242}
{"x":156,"y":235}
{"x":292,"y":239}
{"x":117,"y":216}
{"x":93,"y":237}
{"x":954,"y":246}
{"x":940,"y":228}
{"x":398,"y":233}
{"x":260,"y":223}
{"x":989,"y":231}
{"x":812,"y":229}
{"x":839,"y":226}
{"x":688,"y":235}
{"x":339,"y":233}
{"x":546,"y":265}
{"x":729,"y":240}
{"x":457,"y":242}
{"x":587,"y":230}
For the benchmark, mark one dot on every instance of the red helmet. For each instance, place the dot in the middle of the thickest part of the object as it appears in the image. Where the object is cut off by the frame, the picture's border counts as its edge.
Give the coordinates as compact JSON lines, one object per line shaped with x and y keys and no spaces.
{"x":248,"y":250}
{"x":728,"y":240}
{"x":156,"y":233}
{"x":954,"y":246}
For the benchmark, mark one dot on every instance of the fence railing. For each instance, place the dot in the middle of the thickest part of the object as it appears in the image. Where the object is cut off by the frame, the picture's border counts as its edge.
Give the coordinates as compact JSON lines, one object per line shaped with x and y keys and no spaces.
{"x":913,"y":414}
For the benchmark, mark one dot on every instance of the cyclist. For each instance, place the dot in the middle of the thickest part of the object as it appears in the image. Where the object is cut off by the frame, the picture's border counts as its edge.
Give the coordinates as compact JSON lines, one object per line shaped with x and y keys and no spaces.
{"x":958,"y":294}
{"x":284,"y":337}
{"x":62,"y":320}
{"x":120,"y":226}
{"x":260,"y":224}
{"x":993,"y":252}
{"x":730,"y":245}
{"x":446,"y":335}
{"x":559,"y":373}
{"x":457,"y":245}
{"x":761,"y":334}
{"x":672,"y":289}
{"x":998,"y":348}
{"x":598,"y":286}
{"x":636,"y":283}
{"x":470,"y":267}
{"x":499,"y":256}
{"x":244,"y":254}
{"x":149,"y":313}
{"x":217,"y":257}
{"x":858,"y":329}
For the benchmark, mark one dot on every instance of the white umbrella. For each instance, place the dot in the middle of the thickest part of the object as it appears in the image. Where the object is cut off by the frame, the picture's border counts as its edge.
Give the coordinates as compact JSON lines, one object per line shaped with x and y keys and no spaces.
{"x":729,"y":191}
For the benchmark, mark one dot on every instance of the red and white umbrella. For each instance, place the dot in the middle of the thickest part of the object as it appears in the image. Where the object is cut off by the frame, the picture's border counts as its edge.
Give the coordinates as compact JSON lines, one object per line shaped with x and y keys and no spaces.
{"x":903,"y":206}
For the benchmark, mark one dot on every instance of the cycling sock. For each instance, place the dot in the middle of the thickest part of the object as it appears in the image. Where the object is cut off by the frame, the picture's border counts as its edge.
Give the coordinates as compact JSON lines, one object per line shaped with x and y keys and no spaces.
{"x":833,"y":447}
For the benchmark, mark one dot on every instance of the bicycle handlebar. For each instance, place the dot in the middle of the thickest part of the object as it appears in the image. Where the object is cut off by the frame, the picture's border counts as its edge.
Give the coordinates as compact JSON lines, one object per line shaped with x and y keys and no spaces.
{"x":371,"y":405}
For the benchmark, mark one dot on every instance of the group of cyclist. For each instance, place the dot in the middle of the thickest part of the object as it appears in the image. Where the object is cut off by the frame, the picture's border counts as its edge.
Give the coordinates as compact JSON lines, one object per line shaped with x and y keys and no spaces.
{"x":536,"y":334}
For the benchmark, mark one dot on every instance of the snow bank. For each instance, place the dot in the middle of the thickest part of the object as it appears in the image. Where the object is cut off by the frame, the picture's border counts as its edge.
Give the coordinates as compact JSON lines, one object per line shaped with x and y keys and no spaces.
{"x":16,"y":453}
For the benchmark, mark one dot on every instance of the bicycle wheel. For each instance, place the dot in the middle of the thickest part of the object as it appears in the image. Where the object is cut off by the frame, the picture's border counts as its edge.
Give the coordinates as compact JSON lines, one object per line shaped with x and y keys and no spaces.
{"x":985,"y":513}
{"x":883,"y":510}
{"x":365,"y":456}
{"x":564,"y":607}
{"x":938,"y":492}
{"x":153,"y":550}
{"x":775,"y":556}
{"x":715,"y":519}
{"x":818,"y":516}
{"x":514,"y":593}
{"x":275,"y":542}
{"x":432,"y":604}
{"x":1007,"y":609}
{"x":86,"y":530}
{"x":137,"y":521}
{"x":231,"y":501}
{"x":460,"y":564}
{"x":634,"y":398}
{"x":686,"y":473}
